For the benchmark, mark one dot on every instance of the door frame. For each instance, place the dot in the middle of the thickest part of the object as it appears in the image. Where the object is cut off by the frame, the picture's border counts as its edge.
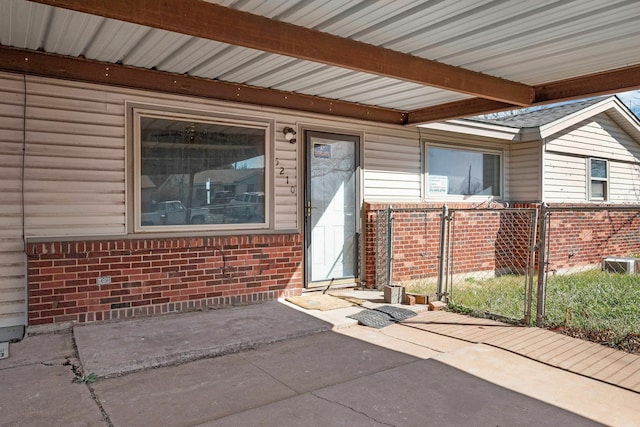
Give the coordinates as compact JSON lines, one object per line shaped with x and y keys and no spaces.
{"x":303,"y":195}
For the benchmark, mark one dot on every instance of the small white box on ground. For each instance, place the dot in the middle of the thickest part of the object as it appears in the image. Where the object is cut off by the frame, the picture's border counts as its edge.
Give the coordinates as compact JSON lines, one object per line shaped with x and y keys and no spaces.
{"x":4,"y":350}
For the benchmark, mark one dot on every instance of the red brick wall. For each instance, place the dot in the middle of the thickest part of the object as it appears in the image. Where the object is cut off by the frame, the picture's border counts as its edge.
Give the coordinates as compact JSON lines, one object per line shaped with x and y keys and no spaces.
{"x":153,"y":276}
{"x":583,"y":237}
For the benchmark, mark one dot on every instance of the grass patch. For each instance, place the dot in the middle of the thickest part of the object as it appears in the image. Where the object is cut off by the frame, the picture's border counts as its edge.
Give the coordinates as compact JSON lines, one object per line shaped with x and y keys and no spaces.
{"x":594,"y":305}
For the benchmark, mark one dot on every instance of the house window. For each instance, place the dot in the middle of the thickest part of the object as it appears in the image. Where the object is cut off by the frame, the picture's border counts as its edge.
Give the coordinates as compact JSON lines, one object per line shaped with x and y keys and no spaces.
{"x":463,"y":172}
{"x":598,"y":180}
{"x":198,"y":172}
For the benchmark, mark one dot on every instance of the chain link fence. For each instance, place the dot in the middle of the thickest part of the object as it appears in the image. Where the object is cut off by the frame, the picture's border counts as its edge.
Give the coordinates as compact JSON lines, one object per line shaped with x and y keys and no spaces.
{"x":590,"y":273}
{"x":490,"y":261}
{"x":474,"y":258}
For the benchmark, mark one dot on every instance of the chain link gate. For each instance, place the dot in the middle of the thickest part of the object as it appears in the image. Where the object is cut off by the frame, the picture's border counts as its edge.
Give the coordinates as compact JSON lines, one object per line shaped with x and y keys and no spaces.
{"x":489,"y":261}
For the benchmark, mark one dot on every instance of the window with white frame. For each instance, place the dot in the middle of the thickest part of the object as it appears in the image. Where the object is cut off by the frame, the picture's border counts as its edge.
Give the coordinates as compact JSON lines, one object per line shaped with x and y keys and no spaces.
{"x":199,"y":172}
{"x":463,"y":172}
{"x":598,"y":179}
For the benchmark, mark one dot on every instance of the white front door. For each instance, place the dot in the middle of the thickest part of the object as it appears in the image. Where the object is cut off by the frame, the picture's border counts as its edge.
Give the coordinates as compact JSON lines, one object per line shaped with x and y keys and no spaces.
{"x":331,"y":208}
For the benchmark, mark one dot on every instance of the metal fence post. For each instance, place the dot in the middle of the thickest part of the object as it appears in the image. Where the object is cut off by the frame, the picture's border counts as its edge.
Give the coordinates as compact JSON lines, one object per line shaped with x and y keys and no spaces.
{"x":533,"y":229}
{"x":390,"y":249}
{"x":542,"y":264}
{"x":441,"y":256}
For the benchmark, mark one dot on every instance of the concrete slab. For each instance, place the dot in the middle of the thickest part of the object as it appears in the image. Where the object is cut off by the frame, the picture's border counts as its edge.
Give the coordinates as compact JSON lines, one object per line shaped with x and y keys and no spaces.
{"x":591,"y":399}
{"x":317,"y":361}
{"x":39,"y":395}
{"x":428,"y":392}
{"x":48,"y":349}
{"x":439,"y":343}
{"x":382,"y":338}
{"x":306,"y":410}
{"x":117,"y":348}
{"x":189,"y":394}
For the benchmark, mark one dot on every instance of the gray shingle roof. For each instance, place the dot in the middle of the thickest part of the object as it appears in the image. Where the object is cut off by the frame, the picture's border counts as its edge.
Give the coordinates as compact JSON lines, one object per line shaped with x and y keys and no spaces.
{"x":527,"y":118}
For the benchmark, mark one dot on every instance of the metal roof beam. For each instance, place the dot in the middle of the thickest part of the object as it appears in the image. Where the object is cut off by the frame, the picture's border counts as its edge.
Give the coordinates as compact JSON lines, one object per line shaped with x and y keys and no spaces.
{"x":64,"y":67}
{"x":214,"y":22}
{"x":604,"y":83}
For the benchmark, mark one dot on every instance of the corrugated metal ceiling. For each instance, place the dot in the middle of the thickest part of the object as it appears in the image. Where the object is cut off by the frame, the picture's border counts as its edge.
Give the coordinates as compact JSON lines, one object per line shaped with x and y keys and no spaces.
{"x":527,"y":41}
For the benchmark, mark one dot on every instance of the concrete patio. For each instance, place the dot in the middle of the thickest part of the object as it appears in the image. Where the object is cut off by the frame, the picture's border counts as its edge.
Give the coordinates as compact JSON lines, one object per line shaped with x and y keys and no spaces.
{"x":271,"y":364}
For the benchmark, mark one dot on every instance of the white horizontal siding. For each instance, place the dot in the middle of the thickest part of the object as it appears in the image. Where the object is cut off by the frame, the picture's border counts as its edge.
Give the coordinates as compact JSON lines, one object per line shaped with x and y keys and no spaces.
{"x":524,"y":171}
{"x":624,"y":182}
{"x":286,"y":182}
{"x":565,"y":178}
{"x":12,"y":257}
{"x":392,"y":167}
{"x":599,"y":137}
{"x":75,"y":161}
{"x":76,"y":175}
{"x":566,"y":175}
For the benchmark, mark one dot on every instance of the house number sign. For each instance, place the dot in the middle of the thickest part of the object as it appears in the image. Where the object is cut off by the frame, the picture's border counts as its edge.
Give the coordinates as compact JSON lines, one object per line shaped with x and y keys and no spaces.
{"x":282,"y":172}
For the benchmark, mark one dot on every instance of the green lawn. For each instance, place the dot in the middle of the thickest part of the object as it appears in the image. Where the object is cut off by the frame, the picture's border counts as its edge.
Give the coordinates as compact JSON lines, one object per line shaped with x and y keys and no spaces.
{"x":603,"y":307}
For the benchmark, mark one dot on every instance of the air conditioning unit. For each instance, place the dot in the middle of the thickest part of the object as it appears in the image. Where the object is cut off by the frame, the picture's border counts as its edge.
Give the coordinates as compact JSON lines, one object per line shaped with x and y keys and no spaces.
{"x":621,"y":265}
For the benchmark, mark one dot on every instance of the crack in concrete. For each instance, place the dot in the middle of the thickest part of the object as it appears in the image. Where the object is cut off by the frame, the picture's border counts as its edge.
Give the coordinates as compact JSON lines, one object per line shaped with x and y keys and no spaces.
{"x":270,"y":375}
{"x":352,"y":409}
{"x":79,"y":373}
{"x":411,"y":342}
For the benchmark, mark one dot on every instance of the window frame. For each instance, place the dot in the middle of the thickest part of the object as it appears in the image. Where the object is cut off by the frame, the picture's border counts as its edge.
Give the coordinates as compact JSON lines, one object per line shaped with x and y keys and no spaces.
{"x":466,"y":148}
{"x":138,"y":111}
{"x":591,"y":178}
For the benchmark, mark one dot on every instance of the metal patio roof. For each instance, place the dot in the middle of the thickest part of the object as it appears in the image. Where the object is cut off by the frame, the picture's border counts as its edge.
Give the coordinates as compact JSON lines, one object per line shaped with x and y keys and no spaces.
{"x":402,"y":61}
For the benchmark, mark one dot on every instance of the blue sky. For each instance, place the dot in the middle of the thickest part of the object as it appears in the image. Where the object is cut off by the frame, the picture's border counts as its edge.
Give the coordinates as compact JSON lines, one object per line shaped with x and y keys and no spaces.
{"x":631,"y":100}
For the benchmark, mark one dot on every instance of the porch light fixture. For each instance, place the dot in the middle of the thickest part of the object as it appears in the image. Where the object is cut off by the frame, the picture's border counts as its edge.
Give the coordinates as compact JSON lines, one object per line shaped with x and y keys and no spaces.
{"x":289,"y":134}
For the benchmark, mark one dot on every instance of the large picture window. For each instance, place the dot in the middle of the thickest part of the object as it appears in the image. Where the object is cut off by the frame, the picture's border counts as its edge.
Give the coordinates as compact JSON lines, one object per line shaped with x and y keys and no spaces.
{"x":463,"y":172}
{"x":199,"y":172}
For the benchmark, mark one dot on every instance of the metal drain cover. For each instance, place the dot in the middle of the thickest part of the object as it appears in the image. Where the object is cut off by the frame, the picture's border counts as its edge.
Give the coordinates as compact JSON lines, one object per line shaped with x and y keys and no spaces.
{"x":396,"y":313}
{"x":373,"y":319}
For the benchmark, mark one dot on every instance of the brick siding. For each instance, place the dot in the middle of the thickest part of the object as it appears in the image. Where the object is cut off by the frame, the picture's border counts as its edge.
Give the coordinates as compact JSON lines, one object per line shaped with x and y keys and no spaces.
{"x":154,"y":276}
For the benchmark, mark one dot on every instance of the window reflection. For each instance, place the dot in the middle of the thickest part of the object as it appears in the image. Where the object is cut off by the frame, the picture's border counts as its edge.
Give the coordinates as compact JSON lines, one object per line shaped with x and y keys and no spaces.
{"x":200,"y":173}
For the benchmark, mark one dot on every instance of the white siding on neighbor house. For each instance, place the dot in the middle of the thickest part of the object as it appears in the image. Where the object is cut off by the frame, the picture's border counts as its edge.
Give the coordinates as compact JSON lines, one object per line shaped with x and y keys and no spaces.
{"x":564,"y":178}
{"x":12,"y":256}
{"x":566,"y":161}
{"x":624,"y":182}
{"x":599,"y":137}
{"x":524,"y":171}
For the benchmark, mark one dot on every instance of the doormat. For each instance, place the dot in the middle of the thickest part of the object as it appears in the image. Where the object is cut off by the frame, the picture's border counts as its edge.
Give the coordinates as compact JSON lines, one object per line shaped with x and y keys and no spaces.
{"x":382,"y":316}
{"x":322,"y":302}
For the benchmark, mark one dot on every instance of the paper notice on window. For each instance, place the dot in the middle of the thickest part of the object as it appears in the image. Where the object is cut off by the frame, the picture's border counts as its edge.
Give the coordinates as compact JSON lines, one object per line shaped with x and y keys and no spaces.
{"x":438,"y":184}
